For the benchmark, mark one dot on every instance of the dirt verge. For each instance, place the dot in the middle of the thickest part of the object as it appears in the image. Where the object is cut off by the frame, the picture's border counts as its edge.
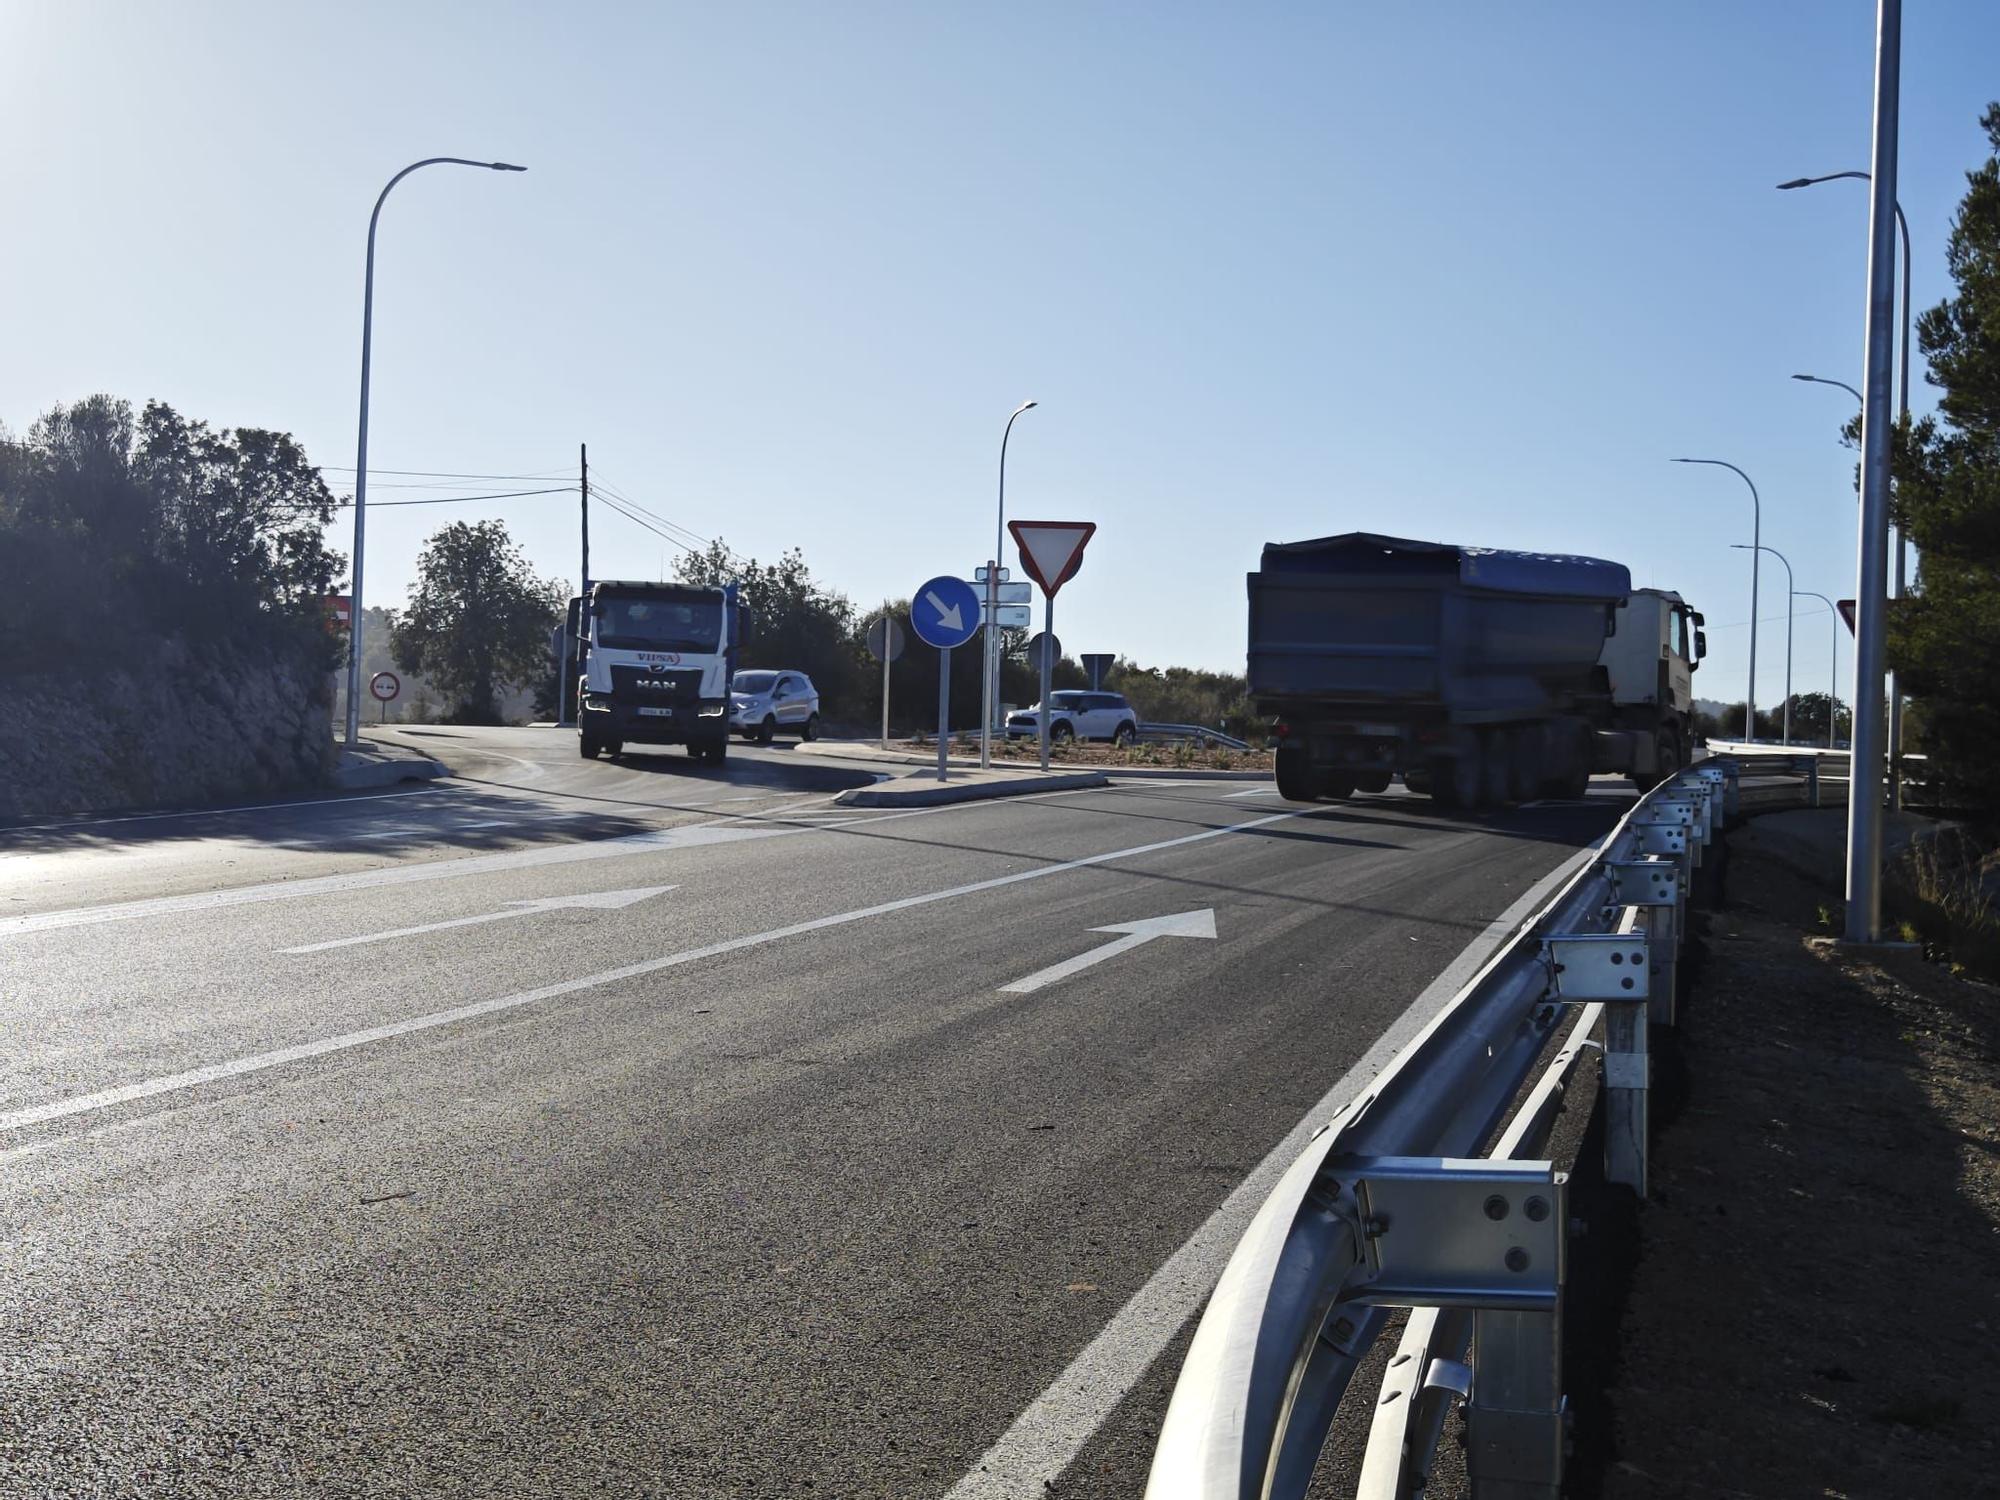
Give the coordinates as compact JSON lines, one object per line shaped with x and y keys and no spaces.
{"x":1817,"y":1291}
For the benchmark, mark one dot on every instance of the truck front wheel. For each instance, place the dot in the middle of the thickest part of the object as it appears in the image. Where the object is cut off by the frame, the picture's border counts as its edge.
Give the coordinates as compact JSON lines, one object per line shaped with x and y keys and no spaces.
{"x":1669,"y":761}
{"x":1295,"y":777}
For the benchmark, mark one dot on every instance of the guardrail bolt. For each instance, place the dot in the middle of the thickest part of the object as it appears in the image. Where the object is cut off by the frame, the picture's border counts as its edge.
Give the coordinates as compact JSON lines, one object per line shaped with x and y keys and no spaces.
{"x":1517,"y":1259}
{"x":1375,"y":1227}
{"x":1496,"y":1208}
{"x":1536,"y":1209}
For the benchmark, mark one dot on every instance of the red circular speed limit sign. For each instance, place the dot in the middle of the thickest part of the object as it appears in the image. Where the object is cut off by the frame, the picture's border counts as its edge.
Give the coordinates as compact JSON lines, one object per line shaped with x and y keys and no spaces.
{"x":385,"y":685}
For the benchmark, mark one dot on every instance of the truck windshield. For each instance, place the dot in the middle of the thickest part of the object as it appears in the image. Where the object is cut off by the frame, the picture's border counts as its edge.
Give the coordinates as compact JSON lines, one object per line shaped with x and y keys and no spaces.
{"x":659,"y":624}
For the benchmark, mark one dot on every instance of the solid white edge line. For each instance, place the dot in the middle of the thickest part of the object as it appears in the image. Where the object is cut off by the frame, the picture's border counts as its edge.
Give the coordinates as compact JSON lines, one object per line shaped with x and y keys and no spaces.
{"x":105,"y":1098}
{"x":1048,"y":1435}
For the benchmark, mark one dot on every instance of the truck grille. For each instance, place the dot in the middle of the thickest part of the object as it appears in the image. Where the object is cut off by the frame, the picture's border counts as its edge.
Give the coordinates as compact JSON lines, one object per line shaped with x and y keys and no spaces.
{"x":635,"y":685}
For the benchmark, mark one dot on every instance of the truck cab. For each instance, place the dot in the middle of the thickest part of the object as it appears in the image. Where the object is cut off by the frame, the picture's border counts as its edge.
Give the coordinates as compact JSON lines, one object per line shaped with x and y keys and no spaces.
{"x":657,"y":662}
{"x":1649,"y":660}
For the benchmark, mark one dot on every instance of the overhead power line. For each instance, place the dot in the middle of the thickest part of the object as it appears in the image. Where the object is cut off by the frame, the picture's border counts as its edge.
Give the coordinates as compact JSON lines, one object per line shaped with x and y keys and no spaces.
{"x":441,"y":473}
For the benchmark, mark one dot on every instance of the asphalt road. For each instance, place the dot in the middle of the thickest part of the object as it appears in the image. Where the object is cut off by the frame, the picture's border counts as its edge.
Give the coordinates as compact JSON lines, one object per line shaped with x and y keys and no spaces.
{"x":571,"y":1129}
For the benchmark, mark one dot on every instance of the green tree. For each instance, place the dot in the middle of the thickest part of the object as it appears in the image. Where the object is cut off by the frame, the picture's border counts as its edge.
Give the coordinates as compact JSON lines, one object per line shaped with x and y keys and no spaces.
{"x":1941,"y":640}
{"x":798,"y":624}
{"x":478,"y":619}
{"x":117,"y":533}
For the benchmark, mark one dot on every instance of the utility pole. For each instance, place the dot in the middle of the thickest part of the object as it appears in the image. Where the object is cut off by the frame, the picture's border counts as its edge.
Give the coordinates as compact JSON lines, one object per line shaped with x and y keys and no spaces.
{"x":567,"y":688}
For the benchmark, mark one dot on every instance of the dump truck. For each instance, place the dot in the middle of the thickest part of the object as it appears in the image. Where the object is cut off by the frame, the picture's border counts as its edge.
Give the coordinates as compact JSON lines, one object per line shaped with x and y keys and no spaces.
{"x":1479,"y":676}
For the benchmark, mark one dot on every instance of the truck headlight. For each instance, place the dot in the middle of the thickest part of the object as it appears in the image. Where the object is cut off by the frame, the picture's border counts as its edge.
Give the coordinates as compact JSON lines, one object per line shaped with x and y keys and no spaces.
{"x":710,"y":711}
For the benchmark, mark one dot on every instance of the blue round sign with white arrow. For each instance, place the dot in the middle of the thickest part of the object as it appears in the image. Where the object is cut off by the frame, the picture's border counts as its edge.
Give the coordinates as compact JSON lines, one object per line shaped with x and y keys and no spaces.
{"x":945,"y":613}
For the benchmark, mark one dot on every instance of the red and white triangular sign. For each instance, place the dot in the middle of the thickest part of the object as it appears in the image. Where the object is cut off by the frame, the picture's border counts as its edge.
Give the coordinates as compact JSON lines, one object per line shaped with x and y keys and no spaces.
{"x":1051,"y":551}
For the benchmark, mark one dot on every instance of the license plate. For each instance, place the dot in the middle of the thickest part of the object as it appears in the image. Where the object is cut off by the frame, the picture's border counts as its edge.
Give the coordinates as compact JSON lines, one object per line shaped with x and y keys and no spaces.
{"x":657,"y":713}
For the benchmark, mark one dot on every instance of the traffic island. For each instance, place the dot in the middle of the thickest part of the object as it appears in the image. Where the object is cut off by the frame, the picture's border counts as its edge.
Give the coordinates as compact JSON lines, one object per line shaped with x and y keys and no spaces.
{"x":377,"y":764}
{"x":968,"y":786}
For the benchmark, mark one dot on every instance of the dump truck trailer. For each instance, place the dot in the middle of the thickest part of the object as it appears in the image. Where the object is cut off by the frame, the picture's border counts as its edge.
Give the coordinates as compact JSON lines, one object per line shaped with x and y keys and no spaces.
{"x":1479,"y":676}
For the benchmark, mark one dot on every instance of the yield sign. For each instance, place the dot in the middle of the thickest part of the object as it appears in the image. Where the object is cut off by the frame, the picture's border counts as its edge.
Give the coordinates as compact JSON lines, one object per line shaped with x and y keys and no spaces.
{"x":1846,"y":608}
{"x":1051,"y":551}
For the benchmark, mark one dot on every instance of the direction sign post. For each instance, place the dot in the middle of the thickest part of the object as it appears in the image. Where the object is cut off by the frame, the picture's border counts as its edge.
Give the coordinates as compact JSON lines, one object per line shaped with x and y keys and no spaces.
{"x":945,"y":614}
{"x":1051,"y":551}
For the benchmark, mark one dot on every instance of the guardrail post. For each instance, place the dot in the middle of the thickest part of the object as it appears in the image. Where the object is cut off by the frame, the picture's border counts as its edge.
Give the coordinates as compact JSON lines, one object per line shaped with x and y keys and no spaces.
{"x":1516,"y":1423}
{"x":1616,"y":968}
{"x":1812,"y":782}
{"x":1491,"y":1236}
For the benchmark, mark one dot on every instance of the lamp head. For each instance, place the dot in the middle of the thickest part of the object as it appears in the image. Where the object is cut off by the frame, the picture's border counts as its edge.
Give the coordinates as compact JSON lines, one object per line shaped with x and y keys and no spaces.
{"x":1796,"y":182}
{"x":504,"y":166}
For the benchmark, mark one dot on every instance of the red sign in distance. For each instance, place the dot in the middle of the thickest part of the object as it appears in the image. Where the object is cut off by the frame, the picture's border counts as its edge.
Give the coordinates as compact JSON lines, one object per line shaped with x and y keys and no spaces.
{"x":1052,"y":551}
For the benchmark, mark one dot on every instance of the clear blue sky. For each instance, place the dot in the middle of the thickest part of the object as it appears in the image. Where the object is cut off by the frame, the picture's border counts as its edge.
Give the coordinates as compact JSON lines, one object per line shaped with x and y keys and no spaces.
{"x":1462,"y":271}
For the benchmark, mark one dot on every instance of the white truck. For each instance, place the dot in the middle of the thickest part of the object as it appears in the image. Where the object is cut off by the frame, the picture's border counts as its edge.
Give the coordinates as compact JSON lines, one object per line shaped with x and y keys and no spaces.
{"x":657,"y":659}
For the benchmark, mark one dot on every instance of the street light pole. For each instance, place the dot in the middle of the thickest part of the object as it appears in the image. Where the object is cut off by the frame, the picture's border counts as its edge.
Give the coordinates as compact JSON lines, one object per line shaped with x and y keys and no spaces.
{"x":1863,"y":922}
{"x":1902,"y":541}
{"x":361,"y":443}
{"x":1757,"y":544}
{"x":1786,"y":737}
{"x":1843,"y":385}
{"x":989,"y":692}
{"x":1833,"y":663}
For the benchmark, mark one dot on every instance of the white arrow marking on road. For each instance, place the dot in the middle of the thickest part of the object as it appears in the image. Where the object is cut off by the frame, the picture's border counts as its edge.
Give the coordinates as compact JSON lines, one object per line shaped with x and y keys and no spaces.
{"x":597,"y":901}
{"x":951,"y":619}
{"x":1187,"y":924}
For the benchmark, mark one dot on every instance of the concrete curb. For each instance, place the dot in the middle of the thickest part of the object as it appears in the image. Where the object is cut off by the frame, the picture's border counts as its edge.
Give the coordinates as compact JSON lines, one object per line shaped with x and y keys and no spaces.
{"x":910,"y":791}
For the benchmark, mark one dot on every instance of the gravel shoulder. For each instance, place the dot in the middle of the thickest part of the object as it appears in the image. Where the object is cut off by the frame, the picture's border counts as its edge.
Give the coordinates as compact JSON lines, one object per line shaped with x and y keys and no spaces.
{"x":1817,"y":1292}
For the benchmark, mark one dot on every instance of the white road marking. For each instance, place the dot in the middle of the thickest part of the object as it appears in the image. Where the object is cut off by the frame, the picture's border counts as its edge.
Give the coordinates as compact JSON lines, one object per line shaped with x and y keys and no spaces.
{"x":1187,"y":924}
{"x":258,"y":1062}
{"x":651,"y":842}
{"x":216,"y":812}
{"x":733,"y":828}
{"x":1046,"y":1438}
{"x":397,"y":830}
{"x":1255,"y":791}
{"x":595,"y":901}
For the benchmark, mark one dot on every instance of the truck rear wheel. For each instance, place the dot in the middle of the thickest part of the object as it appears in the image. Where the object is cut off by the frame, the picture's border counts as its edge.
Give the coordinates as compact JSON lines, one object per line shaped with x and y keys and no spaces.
{"x":1336,"y":784}
{"x":1372,"y":781}
{"x":1295,"y":777}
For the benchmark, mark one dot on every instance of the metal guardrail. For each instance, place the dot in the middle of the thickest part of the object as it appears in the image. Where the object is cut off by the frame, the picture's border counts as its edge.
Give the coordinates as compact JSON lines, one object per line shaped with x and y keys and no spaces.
{"x":1198,"y":732}
{"x":1391,"y":1206}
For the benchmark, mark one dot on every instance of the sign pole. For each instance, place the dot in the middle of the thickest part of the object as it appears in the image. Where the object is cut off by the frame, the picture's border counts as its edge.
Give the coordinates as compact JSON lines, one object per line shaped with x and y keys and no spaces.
{"x":1048,"y":650}
{"x":944,"y":711}
{"x":888,"y":624}
{"x":989,"y":681}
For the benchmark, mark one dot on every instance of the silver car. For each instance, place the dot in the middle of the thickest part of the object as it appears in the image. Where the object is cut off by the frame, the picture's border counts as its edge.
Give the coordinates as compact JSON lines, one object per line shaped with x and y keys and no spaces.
{"x":764,"y":704}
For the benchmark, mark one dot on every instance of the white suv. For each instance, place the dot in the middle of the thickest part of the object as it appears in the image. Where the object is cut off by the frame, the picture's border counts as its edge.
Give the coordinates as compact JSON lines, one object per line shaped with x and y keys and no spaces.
{"x":765,"y":704}
{"x":1079,"y":716}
